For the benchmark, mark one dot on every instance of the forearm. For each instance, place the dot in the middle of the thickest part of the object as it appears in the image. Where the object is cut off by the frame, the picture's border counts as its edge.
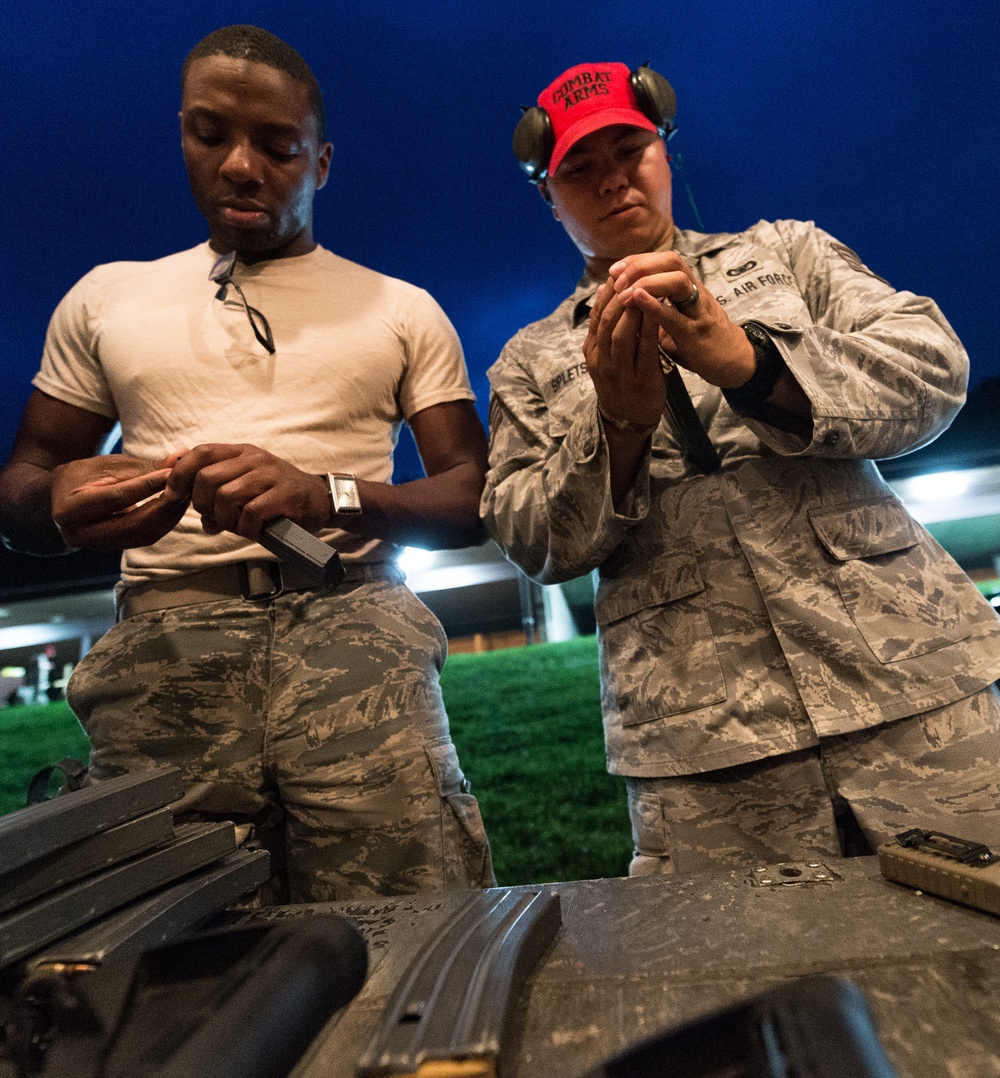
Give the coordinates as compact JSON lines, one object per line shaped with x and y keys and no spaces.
{"x":771,"y":394}
{"x":874,"y":392}
{"x":51,"y":434}
{"x":881,"y":368}
{"x":626,"y":454}
{"x":437,"y":512}
{"x":549,"y":506}
{"x":26,"y":523}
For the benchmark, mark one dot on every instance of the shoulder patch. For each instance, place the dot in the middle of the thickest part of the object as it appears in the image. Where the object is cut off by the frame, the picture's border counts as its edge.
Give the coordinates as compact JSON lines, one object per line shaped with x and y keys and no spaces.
{"x":494,"y":412}
{"x":851,"y":258}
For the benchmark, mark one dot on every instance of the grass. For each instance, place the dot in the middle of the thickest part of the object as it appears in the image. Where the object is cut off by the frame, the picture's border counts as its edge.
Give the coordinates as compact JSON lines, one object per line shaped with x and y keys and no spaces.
{"x":527,"y":724}
{"x":33,"y":737}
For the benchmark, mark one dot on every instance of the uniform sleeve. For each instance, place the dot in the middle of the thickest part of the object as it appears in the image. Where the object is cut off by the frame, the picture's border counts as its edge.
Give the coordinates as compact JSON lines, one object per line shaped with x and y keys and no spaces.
{"x":547,"y":501}
{"x":883,"y":370}
{"x":71,"y":368}
{"x":435,"y":364}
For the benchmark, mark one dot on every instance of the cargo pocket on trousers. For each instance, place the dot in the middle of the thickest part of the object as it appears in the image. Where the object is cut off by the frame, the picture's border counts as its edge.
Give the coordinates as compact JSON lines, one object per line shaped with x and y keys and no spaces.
{"x":465,"y":848}
{"x":649,"y":829}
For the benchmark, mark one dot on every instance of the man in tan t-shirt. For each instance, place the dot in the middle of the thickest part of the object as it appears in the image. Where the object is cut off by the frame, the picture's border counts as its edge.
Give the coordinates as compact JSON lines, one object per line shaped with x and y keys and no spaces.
{"x":259,"y":376}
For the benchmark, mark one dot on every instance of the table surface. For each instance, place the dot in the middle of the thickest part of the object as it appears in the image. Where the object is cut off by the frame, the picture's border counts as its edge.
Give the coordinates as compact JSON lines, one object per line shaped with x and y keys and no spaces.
{"x":634,"y":956}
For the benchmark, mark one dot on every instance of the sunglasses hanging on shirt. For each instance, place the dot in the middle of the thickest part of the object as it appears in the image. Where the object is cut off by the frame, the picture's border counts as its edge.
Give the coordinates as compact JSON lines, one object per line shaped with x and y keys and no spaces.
{"x":222,"y":275}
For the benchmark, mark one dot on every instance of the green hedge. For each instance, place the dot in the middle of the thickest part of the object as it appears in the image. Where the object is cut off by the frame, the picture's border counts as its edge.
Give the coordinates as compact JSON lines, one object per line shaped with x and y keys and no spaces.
{"x":528,"y":728}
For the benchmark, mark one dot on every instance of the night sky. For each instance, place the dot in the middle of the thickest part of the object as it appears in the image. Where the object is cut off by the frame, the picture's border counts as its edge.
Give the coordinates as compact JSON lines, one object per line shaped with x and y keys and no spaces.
{"x":878,"y":120}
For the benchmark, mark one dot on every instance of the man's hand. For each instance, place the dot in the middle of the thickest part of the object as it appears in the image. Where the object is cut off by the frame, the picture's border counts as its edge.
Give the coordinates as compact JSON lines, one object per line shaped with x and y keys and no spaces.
{"x":699,"y":336}
{"x":621,"y":350}
{"x":113,"y":502}
{"x":239,"y":488}
{"x":623,"y":361}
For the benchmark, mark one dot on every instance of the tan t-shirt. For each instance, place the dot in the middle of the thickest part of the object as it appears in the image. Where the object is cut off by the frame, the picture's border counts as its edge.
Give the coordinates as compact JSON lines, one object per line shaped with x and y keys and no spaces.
{"x":357,"y":353}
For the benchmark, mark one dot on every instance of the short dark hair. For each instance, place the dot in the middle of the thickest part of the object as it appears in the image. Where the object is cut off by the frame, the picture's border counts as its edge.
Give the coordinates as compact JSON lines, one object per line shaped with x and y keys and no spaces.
{"x":243,"y":42}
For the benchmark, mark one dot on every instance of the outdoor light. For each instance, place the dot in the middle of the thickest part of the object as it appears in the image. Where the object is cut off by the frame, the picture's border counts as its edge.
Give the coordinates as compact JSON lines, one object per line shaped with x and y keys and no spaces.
{"x":413,"y":559}
{"x":937,"y":486}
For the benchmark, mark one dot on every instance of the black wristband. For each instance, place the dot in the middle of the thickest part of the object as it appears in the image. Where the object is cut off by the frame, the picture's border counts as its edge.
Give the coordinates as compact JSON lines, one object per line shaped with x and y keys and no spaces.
{"x":750,"y":398}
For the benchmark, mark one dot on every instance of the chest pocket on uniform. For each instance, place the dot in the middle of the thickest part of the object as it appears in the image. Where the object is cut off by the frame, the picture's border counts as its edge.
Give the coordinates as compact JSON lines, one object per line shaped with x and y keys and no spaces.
{"x":567,"y":404}
{"x":753,"y":283}
{"x":894,"y":581}
{"x":658,"y":655}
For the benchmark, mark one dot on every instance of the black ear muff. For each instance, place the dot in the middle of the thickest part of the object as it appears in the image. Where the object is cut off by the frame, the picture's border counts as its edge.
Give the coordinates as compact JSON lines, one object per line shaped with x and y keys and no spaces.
{"x":656,"y":98}
{"x":533,"y":141}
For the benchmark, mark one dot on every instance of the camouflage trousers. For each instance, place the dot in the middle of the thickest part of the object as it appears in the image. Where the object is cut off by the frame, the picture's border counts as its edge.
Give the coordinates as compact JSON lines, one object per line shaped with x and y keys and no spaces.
{"x":939,"y":770}
{"x":316,"y":717}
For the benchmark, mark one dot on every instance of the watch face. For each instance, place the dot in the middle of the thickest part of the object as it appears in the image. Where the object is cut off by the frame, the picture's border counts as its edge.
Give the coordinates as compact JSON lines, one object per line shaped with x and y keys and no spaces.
{"x":345,"y":494}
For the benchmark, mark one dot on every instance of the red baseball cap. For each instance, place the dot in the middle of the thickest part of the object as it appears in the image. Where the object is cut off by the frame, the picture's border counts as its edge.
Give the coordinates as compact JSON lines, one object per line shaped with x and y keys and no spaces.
{"x":586,"y":98}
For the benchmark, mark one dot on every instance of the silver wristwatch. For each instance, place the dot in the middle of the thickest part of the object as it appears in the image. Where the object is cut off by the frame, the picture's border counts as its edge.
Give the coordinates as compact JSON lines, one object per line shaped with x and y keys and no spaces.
{"x":344,"y":493}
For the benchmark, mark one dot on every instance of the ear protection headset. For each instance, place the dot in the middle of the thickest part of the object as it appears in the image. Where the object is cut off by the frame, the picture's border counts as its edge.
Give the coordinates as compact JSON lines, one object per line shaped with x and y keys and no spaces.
{"x":534,"y":139}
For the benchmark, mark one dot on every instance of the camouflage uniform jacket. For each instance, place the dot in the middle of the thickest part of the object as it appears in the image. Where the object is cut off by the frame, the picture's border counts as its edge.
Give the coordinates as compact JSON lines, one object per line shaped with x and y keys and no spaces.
{"x":788,"y":596}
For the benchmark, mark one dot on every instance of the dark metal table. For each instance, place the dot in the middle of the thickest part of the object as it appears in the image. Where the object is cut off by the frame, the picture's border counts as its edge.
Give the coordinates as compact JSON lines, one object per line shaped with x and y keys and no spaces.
{"x":636,"y":955}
